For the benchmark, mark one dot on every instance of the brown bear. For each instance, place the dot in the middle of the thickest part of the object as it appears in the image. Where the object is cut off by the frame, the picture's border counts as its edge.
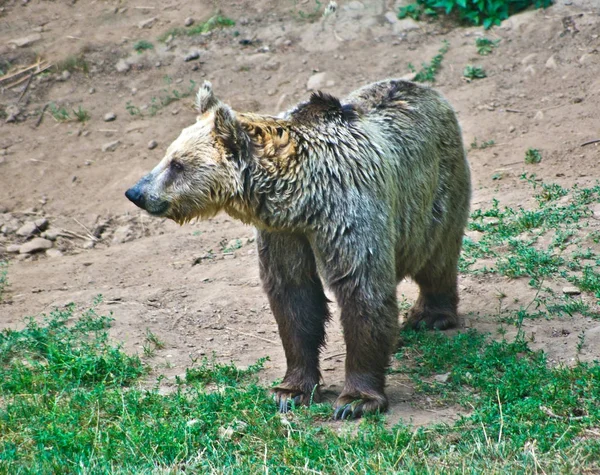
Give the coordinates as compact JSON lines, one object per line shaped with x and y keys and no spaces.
{"x":360,"y":192}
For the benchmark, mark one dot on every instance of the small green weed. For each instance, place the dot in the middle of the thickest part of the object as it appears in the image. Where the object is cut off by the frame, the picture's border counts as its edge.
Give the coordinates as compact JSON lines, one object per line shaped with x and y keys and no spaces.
{"x":214,"y":22}
{"x":72,"y":64}
{"x":485,"y":46}
{"x":81,"y":114}
{"x":429,"y":71}
{"x":476,"y":12}
{"x":168,"y":96}
{"x":142,"y":45}
{"x":60,"y":114}
{"x":3,"y":278}
{"x":532,"y":156}
{"x":474,"y":72}
{"x":133,"y":110}
{"x":483,"y":145}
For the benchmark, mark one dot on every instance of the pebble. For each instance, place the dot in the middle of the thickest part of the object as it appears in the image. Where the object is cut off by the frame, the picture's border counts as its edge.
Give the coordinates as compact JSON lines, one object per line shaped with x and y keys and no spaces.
{"x":551,"y":63}
{"x":316,"y":81}
{"x":122,"y":66}
{"x":13,"y":248}
{"x":111,"y":146}
{"x":88,"y":245}
{"x":122,"y":234}
{"x":51,"y":234}
{"x":147,"y":23}
{"x":442,"y":378}
{"x":191,"y":56}
{"x":189,"y":21}
{"x":65,"y":75}
{"x":25,"y":41}
{"x":109,"y":116}
{"x":53,"y":253}
{"x":571,"y":291}
{"x":35,"y":245}
{"x":92,"y":90}
{"x":152,"y":144}
{"x":33,"y":227}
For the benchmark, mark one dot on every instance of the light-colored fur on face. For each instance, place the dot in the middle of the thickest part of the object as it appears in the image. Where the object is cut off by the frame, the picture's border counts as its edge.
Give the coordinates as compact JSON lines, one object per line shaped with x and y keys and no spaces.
{"x":195,"y":177}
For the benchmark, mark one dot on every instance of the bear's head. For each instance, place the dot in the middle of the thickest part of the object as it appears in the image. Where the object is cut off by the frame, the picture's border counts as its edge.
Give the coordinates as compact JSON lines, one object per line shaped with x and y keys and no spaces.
{"x":202,"y":169}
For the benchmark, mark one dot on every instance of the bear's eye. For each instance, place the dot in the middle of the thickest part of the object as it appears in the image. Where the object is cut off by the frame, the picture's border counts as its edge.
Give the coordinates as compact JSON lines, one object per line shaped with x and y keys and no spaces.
{"x":176,"y":165}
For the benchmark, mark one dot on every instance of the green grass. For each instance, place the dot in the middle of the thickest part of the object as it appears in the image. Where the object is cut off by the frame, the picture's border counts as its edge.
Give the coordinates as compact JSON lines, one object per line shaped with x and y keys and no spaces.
{"x":532,"y":156}
{"x":167,"y":96}
{"x":72,"y":64}
{"x":485,"y":46}
{"x":510,"y":241}
{"x":60,"y":114}
{"x":483,"y":145}
{"x":3,"y":278}
{"x":81,"y":115}
{"x":214,"y":22}
{"x":73,"y":402}
{"x":142,"y":45}
{"x":474,"y":72}
{"x":429,"y":71}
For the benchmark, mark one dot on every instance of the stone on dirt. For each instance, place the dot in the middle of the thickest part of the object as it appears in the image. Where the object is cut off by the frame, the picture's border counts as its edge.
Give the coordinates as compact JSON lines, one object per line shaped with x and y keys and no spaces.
{"x":33,"y":227}
{"x":111,"y":146}
{"x":189,"y":21}
{"x":191,"y":56}
{"x":35,"y":245}
{"x":13,"y":248}
{"x":122,"y":66}
{"x":571,"y":291}
{"x":53,"y":253}
{"x":109,"y":116}
{"x":152,"y":144}
{"x":25,"y":41}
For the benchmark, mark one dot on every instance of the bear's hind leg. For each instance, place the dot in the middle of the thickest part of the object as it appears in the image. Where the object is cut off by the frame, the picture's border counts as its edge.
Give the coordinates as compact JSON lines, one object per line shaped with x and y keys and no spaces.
{"x":289,"y":274}
{"x":437,"y":304}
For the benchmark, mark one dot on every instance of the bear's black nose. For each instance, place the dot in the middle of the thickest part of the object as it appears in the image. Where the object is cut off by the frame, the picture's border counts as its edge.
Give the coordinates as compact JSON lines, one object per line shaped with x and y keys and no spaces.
{"x":136,"y":196}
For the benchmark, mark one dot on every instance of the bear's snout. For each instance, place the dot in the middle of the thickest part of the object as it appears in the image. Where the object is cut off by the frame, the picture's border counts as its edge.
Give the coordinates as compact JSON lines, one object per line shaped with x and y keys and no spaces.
{"x":136,"y":196}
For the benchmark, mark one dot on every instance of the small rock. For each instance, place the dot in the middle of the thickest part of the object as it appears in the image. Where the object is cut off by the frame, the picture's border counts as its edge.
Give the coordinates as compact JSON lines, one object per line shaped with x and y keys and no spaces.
{"x":53,"y":253}
{"x":35,"y":245}
{"x":147,"y":23}
{"x":571,"y":291}
{"x":13,"y":249}
{"x":529,"y":58}
{"x":191,"y":56}
{"x":109,"y":116}
{"x":271,"y":65}
{"x":189,"y":21}
{"x":152,"y":144}
{"x":92,"y":90}
{"x":539,"y":115}
{"x":551,"y":63}
{"x":442,"y":378}
{"x":65,"y":75}
{"x":271,"y":92}
{"x":316,"y":81}
{"x":491,"y":221}
{"x":30,"y":228}
{"x":89,"y":244}
{"x":511,"y":129}
{"x":407,"y":24}
{"x":122,"y":234}
{"x":111,"y":146}
{"x":51,"y":234}
{"x":25,"y":41}
{"x":391,"y":17}
{"x":122,"y":66}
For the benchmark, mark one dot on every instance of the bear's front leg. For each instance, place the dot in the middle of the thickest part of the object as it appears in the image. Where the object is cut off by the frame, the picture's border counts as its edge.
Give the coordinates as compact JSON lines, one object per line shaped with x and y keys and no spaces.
{"x":289,"y":275}
{"x":365,"y":287}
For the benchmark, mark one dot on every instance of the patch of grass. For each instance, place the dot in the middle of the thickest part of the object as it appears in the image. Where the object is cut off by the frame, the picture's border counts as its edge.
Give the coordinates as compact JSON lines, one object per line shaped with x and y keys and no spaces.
{"x":168,"y":96}
{"x":151,"y":344}
{"x":483,"y":145}
{"x":142,"y":45}
{"x":60,"y":114}
{"x":474,"y":72}
{"x":214,"y":22}
{"x":72,"y":64}
{"x":72,"y":401}
{"x":3,"y":278}
{"x":477,"y":12}
{"x":429,"y":71}
{"x":81,"y":115}
{"x":485,"y":46}
{"x":532,"y":156}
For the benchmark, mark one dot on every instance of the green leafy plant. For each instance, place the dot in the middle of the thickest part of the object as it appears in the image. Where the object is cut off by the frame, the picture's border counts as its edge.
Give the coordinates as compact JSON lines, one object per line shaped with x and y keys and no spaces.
{"x":81,"y":114}
{"x":532,"y":156}
{"x":60,"y":114}
{"x":3,"y":277}
{"x":476,"y":12}
{"x":142,"y":45}
{"x":73,"y":63}
{"x":429,"y":71}
{"x":214,"y":22}
{"x":485,"y":46}
{"x":483,"y":145}
{"x":474,"y":72}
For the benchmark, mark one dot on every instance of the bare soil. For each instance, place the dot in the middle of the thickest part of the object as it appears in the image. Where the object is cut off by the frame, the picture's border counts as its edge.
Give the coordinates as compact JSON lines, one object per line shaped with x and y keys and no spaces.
{"x":186,"y":284}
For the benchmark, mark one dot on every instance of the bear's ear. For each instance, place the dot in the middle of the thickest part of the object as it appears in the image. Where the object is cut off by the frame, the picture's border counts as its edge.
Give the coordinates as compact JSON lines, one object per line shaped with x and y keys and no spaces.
{"x":206,"y":99}
{"x":227,"y":128}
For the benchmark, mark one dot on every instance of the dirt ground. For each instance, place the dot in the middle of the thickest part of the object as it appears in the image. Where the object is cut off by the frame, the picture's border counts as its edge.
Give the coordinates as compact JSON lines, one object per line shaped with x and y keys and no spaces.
{"x":196,"y":287}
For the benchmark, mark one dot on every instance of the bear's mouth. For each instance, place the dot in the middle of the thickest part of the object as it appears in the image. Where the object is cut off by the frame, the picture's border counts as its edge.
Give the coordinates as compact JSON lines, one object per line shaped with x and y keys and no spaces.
{"x":157,"y":208}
